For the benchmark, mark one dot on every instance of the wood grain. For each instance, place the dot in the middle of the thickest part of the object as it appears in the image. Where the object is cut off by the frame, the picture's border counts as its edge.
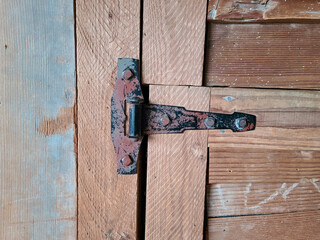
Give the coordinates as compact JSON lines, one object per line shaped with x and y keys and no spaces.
{"x":176,"y":172}
{"x":263,"y":10}
{"x":106,"y":31}
{"x":273,"y":108}
{"x":290,"y":226}
{"x":249,"y":165}
{"x":37,"y":97}
{"x":263,"y":55}
{"x":284,"y":147}
{"x":236,"y":199}
{"x":173,"y":42}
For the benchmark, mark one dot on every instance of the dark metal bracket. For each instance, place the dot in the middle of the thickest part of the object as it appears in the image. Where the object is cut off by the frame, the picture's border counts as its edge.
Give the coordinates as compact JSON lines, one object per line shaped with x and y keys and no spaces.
{"x":145,"y":119}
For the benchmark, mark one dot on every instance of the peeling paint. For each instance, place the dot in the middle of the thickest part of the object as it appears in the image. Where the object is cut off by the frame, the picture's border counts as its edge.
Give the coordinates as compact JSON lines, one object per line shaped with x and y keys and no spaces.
{"x":58,"y":125}
{"x":221,"y":196}
{"x":282,"y":190}
{"x":262,"y":10}
{"x":286,"y":192}
{"x":228,"y":98}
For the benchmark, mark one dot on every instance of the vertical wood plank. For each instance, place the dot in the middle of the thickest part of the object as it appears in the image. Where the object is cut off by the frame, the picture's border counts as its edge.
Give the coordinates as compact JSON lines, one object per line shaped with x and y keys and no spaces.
{"x":37,"y":97}
{"x":106,"y":31}
{"x":176,"y":172}
{"x":173,"y":42}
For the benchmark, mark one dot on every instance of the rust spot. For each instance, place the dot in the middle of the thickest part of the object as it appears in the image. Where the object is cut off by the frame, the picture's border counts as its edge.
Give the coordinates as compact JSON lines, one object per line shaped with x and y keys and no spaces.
{"x":5,"y":46}
{"x":60,"y":124}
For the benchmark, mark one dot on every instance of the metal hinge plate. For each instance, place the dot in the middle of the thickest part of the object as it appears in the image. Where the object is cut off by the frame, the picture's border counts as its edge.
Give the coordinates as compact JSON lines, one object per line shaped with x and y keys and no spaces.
{"x":145,"y":119}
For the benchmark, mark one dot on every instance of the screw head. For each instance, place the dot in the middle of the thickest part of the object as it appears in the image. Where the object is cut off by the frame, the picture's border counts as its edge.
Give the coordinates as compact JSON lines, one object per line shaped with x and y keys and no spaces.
{"x":210,"y":122}
{"x":241,"y":123}
{"x":126,"y":161}
{"x":165,"y":120}
{"x":127,"y":74}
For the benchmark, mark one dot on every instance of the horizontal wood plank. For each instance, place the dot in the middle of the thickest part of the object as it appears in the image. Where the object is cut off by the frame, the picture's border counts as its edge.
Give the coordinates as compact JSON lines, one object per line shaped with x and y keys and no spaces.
{"x":283,"y":148}
{"x":263,"y":55}
{"x":235,"y":199}
{"x":273,"y":108}
{"x":173,"y":42}
{"x":263,"y":10}
{"x":257,"y":165}
{"x":38,"y":184}
{"x":176,"y":171}
{"x":289,"y":226}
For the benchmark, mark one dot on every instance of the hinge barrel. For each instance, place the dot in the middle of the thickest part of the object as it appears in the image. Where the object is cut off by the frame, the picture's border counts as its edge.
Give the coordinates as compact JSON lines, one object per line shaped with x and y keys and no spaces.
{"x":135,"y":120}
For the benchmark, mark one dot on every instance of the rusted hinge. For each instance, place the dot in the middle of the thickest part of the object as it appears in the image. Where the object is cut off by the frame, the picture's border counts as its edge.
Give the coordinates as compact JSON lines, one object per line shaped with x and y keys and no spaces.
{"x":145,"y":119}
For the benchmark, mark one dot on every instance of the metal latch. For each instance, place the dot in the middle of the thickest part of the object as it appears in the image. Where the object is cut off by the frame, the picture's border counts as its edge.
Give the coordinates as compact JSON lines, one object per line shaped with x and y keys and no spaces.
{"x":145,"y":119}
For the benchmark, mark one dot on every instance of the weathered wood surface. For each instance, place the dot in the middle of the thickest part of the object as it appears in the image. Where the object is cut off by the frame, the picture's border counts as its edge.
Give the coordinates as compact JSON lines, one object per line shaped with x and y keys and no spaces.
{"x":263,"y":10}
{"x":284,"y":147}
{"x":235,"y":199}
{"x":273,"y":108}
{"x":274,"y":169}
{"x":37,"y":97}
{"x":176,"y":173}
{"x":289,"y":226}
{"x":106,"y":31}
{"x":263,"y":55}
{"x":173,"y":42}
{"x":243,"y":164}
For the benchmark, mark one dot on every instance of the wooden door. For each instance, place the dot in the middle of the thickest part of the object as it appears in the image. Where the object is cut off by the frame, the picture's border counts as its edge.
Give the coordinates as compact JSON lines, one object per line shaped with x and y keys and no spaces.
{"x":58,"y":176}
{"x":260,"y":57}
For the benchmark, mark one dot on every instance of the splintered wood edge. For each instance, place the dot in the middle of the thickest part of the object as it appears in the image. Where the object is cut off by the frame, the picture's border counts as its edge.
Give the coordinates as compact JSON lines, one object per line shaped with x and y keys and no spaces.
{"x":263,"y":11}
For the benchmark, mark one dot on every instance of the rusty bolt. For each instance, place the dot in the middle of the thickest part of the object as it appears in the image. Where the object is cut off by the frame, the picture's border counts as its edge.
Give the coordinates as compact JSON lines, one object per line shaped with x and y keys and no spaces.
{"x":241,"y":123}
{"x":127,"y":74}
{"x":126,"y":161}
{"x":210,"y":122}
{"x":165,"y":120}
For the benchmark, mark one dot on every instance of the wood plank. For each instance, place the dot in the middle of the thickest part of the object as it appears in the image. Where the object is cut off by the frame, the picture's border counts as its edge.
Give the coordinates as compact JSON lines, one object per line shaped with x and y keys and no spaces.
{"x":263,"y":10}
{"x":273,"y":108}
{"x":176,"y":172}
{"x":290,"y":226}
{"x":173,"y":42}
{"x":106,"y":31}
{"x":249,"y":165}
{"x":263,"y":55}
{"x":38,"y":197}
{"x":234,"y":199}
{"x":284,"y":147}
